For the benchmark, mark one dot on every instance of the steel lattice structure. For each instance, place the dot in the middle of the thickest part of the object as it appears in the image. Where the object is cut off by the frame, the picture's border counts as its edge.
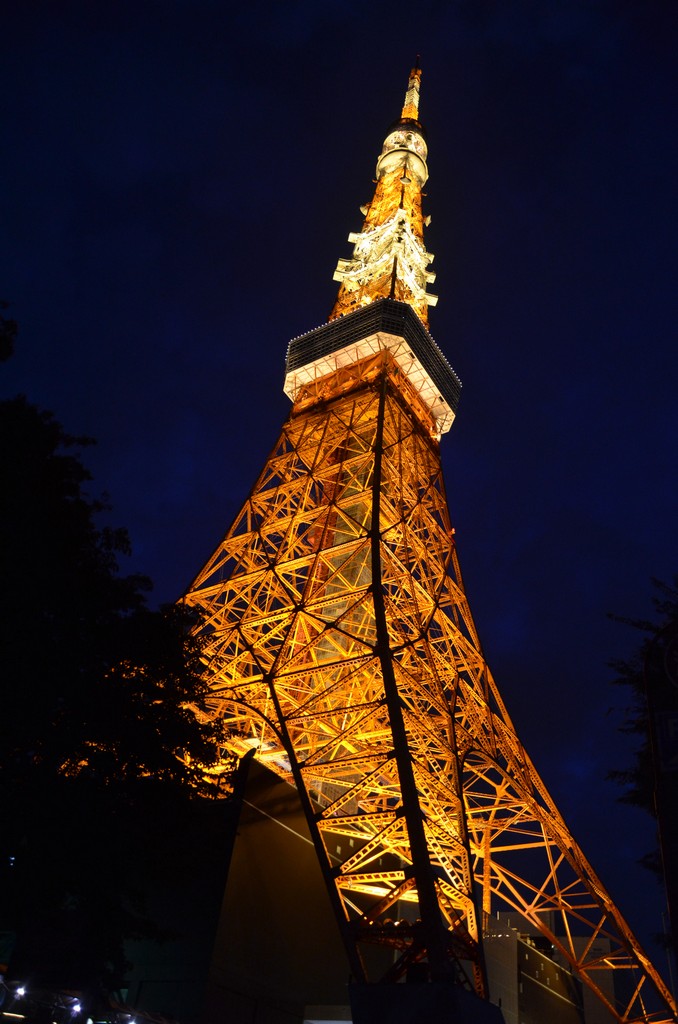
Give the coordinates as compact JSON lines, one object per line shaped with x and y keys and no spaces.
{"x":341,"y":649}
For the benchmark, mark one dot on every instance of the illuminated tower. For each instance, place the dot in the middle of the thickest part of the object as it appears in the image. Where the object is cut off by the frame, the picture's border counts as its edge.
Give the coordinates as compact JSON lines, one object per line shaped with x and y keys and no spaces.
{"x":341,"y":650}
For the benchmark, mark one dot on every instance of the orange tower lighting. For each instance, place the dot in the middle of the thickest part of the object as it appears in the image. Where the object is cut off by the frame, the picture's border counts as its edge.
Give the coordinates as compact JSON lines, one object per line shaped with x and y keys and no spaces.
{"x":341,"y":650}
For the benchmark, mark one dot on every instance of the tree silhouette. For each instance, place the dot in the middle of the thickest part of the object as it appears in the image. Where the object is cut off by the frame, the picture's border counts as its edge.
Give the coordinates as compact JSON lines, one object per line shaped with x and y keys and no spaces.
{"x":104,"y":731}
{"x":636,"y":672}
{"x":652,"y":781}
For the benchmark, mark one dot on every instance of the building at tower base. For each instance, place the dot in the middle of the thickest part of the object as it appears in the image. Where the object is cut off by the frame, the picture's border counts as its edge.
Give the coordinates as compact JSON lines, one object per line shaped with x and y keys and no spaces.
{"x":278,"y":956}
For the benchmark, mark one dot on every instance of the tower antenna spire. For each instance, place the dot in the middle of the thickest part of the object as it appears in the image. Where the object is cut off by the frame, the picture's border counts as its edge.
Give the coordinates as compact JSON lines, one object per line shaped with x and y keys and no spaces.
{"x":410,"y":110}
{"x":393,"y":229}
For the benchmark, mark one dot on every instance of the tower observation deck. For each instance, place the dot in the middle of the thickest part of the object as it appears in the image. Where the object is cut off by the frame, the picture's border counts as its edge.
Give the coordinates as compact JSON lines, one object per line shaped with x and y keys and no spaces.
{"x":341,"y":652}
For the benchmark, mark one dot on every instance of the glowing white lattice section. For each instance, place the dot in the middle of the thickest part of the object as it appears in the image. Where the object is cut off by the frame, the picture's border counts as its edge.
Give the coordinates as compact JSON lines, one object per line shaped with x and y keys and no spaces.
{"x":374,"y":253}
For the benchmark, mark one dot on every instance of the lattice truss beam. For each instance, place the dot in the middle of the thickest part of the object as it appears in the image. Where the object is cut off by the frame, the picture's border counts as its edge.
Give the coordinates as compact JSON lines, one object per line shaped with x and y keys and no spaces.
{"x":300,"y":657}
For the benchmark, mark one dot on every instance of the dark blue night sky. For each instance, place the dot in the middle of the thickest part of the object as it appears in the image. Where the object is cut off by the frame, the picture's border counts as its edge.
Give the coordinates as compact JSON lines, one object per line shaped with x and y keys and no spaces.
{"x":176,"y":185}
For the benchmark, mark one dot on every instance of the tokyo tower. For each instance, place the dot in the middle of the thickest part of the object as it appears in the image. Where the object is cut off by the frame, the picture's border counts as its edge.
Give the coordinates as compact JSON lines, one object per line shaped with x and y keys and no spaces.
{"x":341,"y":651}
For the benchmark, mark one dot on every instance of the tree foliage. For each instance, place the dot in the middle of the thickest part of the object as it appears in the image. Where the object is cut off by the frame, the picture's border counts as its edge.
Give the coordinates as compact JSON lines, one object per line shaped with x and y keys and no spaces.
{"x":104,"y":730}
{"x":638,"y":781}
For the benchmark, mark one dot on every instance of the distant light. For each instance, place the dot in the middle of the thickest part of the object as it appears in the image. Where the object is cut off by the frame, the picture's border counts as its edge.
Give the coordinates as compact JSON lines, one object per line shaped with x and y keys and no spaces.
{"x":21,"y":991}
{"x":77,"y":1008}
